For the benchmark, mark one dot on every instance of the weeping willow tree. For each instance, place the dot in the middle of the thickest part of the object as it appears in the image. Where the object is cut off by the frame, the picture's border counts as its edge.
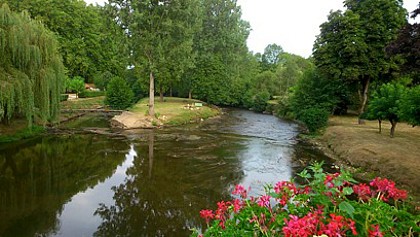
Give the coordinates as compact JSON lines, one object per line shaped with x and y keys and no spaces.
{"x":31,"y":69}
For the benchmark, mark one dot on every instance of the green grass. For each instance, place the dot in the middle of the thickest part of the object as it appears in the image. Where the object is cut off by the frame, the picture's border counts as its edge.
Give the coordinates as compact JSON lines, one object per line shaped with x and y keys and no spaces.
{"x":173,"y":111}
{"x":83,"y":103}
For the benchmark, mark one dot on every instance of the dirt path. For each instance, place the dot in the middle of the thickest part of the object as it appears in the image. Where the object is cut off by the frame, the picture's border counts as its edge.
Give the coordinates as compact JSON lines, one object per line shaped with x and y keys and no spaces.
{"x":373,"y":153}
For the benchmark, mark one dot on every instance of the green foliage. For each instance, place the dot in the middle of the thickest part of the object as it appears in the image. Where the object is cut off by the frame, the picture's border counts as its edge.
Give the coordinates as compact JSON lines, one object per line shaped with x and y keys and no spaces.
{"x":271,"y":57}
{"x":118,"y":94}
{"x":283,"y":108}
{"x":91,"y":94}
{"x":76,"y":85}
{"x":314,"y":90}
{"x":260,"y":101}
{"x":324,"y":205}
{"x":410,"y":106}
{"x":314,"y":118}
{"x":31,"y":70}
{"x":101,"y":80}
{"x":351,"y":45}
{"x":385,"y":102}
{"x":90,"y":40}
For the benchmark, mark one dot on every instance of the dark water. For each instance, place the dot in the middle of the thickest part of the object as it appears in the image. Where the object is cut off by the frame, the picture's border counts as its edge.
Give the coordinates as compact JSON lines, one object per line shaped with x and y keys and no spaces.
{"x":145,"y":183}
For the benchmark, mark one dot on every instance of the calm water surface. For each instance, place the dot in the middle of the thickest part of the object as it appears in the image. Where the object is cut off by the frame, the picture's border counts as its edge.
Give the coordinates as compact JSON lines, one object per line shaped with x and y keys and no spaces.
{"x":145,"y":183}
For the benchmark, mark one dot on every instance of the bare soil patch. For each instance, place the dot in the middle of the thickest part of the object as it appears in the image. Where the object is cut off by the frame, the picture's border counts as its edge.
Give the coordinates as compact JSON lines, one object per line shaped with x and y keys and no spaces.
{"x":376,"y":154}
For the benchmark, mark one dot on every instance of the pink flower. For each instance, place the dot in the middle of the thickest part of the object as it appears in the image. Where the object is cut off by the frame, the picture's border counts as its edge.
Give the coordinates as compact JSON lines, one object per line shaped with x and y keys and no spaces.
{"x":240,"y":190}
{"x":387,"y":190}
{"x":207,"y":215}
{"x":285,"y":186}
{"x":362,"y":191}
{"x":237,"y":205}
{"x":330,"y":178}
{"x":264,"y":201}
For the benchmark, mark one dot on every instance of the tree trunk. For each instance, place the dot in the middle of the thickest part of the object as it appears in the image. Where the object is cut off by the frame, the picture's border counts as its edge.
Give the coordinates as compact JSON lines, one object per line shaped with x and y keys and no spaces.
{"x":170,"y":92}
{"x":190,"y":94}
{"x":393,"y":125}
{"x":380,"y":125}
{"x":366,"y":84}
{"x":152,"y":95}
{"x":151,"y":147}
{"x":160,"y":94}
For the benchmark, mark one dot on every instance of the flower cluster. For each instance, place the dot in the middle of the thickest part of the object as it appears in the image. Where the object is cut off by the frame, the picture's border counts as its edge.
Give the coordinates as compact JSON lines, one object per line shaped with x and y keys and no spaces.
{"x":314,"y":224}
{"x":382,"y":189}
{"x":322,"y":207}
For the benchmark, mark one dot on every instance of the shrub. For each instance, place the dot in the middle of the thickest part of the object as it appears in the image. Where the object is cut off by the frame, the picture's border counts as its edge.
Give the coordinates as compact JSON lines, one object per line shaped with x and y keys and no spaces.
{"x":118,"y":94}
{"x":91,"y":94}
{"x":326,"y":205}
{"x":313,"y":118}
{"x":76,"y":85}
{"x":260,"y":101}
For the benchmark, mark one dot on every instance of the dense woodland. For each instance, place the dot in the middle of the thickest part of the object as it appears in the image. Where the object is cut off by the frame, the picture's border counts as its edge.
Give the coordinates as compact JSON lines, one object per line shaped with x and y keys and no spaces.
{"x":365,"y":59}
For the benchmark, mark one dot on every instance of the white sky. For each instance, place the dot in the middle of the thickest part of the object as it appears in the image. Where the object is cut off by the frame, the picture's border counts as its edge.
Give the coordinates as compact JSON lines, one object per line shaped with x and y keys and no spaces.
{"x":292,"y":24}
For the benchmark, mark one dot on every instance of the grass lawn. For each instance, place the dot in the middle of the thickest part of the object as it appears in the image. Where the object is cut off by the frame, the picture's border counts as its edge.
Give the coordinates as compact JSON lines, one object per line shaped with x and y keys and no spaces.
{"x":175,"y":111}
{"x":376,"y":154}
{"x":83,"y":103}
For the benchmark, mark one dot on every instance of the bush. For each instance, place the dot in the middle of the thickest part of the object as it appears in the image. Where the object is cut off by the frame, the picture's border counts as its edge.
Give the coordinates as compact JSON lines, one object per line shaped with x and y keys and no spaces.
{"x":91,"y":94}
{"x":118,"y":94}
{"x":314,"y":118}
{"x":283,"y":108}
{"x":260,"y":101}
{"x":76,"y":85}
{"x":326,"y":205}
{"x":102,"y":79}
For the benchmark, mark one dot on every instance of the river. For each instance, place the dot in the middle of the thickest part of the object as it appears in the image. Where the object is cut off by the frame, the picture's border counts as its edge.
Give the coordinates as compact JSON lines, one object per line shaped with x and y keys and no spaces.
{"x":142,"y":182}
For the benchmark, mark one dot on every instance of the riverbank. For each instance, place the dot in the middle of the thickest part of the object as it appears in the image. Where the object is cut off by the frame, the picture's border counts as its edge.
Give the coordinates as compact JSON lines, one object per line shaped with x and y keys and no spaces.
{"x":172,"y":112}
{"x":369,"y":153}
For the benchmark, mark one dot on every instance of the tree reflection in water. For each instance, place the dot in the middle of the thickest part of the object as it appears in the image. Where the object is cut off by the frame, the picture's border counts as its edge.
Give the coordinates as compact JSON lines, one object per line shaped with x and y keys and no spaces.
{"x":38,"y":177}
{"x":163,"y":197}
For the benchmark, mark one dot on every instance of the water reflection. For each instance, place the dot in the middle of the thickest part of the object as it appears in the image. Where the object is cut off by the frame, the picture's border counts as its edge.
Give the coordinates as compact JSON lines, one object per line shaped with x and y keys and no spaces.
{"x":151,"y":183}
{"x":162,"y":193}
{"x":39,"y":176}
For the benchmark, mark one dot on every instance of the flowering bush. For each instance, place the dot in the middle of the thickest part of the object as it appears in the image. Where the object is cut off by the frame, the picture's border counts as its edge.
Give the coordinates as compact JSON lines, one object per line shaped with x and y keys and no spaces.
{"x":328,"y":205}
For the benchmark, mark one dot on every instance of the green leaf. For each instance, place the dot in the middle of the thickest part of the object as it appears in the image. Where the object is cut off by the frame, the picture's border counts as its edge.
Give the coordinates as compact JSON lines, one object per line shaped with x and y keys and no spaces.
{"x":347,"y":208}
{"x":347,"y":191}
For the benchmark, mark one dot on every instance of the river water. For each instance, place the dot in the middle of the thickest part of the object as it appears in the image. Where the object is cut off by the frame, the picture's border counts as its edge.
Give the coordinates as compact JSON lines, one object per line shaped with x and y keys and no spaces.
{"x":144,"y":182}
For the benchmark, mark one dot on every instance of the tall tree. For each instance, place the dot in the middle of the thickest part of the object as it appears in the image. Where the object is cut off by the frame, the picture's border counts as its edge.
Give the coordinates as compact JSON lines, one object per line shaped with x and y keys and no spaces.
{"x":162,"y":38}
{"x":89,"y":40}
{"x":271,"y":57}
{"x":31,"y":70}
{"x":351,"y":45}
{"x":407,"y":46}
{"x":221,"y":47}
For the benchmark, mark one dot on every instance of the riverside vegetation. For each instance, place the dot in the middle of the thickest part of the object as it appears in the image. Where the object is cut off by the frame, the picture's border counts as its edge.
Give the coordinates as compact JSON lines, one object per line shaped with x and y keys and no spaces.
{"x":364,"y":60}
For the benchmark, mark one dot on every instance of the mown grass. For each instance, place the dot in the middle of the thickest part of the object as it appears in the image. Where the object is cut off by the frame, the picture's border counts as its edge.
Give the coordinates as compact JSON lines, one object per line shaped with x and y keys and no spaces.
{"x":175,"y":111}
{"x":364,"y":147}
{"x":83,"y":103}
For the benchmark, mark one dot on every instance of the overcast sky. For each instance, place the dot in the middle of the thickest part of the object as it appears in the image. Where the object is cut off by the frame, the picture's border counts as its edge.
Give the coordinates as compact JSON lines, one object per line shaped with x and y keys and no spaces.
{"x":291,"y":24}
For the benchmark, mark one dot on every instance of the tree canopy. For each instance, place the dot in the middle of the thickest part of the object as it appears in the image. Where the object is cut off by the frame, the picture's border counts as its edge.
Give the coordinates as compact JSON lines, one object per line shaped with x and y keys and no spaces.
{"x":90,"y":41}
{"x":31,"y":69}
{"x":351,"y":45}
